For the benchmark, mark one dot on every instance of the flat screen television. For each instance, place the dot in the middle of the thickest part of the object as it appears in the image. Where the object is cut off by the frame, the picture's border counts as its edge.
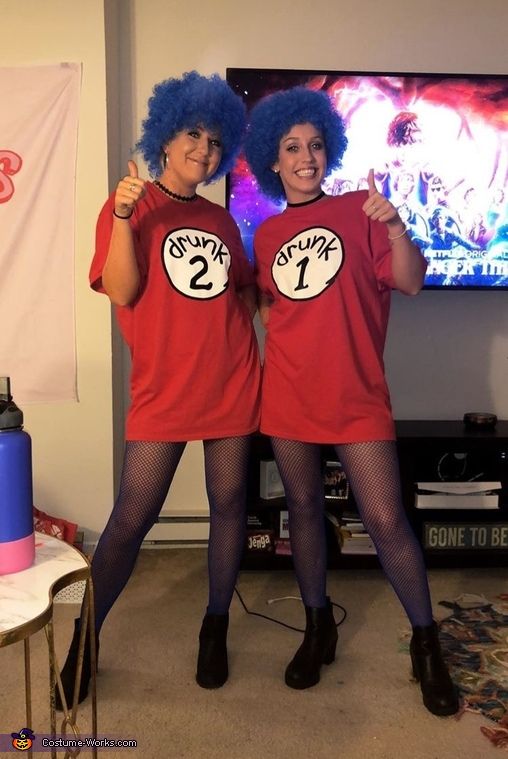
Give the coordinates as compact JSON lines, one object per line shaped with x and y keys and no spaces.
{"x":438,"y":144}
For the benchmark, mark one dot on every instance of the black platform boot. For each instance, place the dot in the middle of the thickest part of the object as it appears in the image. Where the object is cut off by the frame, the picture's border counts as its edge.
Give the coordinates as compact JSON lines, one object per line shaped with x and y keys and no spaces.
{"x":318,"y":647}
{"x":68,"y":672}
{"x":212,"y":669}
{"x":440,"y":695}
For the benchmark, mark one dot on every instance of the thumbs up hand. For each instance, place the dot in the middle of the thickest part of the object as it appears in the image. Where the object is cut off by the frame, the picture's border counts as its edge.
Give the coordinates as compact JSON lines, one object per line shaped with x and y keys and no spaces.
{"x":377,"y":207}
{"x":129,"y":190}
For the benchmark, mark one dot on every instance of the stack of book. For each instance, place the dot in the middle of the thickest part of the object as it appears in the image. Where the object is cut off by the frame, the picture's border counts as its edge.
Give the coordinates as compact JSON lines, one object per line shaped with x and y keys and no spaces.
{"x":352,"y":535}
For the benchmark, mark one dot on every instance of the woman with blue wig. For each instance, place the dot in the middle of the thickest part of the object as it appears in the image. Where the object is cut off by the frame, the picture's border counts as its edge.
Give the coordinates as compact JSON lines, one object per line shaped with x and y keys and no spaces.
{"x":325,"y":267}
{"x":173,"y":265}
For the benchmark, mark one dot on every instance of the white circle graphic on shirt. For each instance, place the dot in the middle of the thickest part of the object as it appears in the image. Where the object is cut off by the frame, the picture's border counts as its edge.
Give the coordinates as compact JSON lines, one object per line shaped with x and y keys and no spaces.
{"x":307,"y":264}
{"x":196,"y":262}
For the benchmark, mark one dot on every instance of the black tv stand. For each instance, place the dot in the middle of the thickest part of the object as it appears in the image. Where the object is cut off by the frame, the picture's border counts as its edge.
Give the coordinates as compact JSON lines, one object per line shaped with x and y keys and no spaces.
{"x":429,"y":451}
{"x":448,"y":451}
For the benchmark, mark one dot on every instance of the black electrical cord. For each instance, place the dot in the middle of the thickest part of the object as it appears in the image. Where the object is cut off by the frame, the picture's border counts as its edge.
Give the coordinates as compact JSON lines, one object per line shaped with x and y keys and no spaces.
{"x":283,"y":624}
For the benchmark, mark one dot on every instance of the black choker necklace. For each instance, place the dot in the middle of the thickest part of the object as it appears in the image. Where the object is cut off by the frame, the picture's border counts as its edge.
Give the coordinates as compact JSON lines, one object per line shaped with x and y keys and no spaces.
{"x":306,"y":202}
{"x":174,"y":195}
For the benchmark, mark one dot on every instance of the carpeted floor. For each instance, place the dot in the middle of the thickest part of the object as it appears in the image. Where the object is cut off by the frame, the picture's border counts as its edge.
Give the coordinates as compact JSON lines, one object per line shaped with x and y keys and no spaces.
{"x":365,"y":705}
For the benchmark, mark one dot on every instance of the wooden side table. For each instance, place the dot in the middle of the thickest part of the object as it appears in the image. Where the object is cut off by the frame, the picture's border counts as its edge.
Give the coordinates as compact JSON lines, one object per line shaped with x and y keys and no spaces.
{"x":26,"y":606}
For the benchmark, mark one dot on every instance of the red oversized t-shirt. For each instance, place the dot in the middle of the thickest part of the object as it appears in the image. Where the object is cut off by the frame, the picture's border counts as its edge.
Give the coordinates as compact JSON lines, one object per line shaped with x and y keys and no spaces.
{"x":195,"y":364}
{"x":328,"y":269}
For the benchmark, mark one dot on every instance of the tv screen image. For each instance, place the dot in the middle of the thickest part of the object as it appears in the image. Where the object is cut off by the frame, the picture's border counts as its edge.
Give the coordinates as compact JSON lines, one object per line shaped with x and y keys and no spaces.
{"x":438,"y":144}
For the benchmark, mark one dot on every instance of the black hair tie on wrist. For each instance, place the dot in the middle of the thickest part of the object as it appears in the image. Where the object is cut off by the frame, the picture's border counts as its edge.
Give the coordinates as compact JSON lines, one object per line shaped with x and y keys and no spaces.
{"x":122,"y":217}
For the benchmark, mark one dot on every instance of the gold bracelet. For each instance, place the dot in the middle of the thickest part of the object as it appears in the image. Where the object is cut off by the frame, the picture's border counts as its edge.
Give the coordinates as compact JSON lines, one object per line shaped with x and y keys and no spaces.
{"x":397,"y":237}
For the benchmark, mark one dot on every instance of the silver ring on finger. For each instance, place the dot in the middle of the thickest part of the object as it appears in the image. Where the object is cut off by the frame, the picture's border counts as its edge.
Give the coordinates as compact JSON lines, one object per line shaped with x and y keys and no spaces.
{"x":132,"y":187}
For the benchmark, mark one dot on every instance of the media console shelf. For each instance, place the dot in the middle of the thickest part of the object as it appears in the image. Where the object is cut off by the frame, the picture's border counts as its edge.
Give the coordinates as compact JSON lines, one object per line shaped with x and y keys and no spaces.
{"x":429,"y":451}
{"x":449,"y":453}
{"x":264,"y":518}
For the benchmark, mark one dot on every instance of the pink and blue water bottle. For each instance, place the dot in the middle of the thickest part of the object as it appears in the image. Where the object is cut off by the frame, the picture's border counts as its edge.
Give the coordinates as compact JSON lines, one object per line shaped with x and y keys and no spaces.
{"x":17,"y":540}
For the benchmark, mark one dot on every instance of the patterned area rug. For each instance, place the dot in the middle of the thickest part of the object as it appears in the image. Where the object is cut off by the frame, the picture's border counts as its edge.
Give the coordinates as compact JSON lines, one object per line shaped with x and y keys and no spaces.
{"x":474,"y":639}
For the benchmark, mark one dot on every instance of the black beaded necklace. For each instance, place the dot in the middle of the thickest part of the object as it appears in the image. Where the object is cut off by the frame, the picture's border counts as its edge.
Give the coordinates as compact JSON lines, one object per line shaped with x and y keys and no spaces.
{"x":306,"y":202}
{"x":174,"y":195}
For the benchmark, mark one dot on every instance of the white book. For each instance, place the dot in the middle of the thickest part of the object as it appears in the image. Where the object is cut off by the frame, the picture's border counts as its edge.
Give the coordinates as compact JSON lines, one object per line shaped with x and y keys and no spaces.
{"x":448,"y":501}
{"x":358,"y":547}
{"x":458,"y":495}
{"x":284,"y":525}
{"x":354,"y":527}
{"x":459,"y":488}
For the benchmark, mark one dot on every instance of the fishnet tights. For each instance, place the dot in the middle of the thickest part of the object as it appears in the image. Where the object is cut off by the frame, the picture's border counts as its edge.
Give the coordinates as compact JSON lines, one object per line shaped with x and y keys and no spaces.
{"x":373,"y":473}
{"x":148,"y":471}
{"x":299,"y":466}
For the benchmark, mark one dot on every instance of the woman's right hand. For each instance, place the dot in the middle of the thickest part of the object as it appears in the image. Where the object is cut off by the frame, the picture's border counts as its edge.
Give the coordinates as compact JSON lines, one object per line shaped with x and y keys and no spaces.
{"x":129,"y":190}
{"x":120,"y":274}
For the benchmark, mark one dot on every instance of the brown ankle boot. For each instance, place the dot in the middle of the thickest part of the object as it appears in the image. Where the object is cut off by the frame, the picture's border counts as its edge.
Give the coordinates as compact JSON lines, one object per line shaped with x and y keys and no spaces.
{"x":440,"y":695}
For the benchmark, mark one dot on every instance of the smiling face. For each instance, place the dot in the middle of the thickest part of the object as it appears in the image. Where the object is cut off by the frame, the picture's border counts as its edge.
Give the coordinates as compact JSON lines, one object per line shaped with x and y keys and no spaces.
{"x":301,"y":162}
{"x":405,"y":183}
{"x":22,"y":743}
{"x":193,"y":156}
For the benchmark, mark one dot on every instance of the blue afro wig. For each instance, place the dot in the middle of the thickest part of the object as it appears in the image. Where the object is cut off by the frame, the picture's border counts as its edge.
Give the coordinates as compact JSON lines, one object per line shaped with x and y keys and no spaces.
{"x":273,"y":117}
{"x":194,"y":100}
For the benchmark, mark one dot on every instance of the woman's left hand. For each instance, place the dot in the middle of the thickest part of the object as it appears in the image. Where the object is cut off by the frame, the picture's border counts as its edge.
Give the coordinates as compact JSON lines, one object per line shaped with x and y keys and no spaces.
{"x":408,"y":264}
{"x":377,"y":207}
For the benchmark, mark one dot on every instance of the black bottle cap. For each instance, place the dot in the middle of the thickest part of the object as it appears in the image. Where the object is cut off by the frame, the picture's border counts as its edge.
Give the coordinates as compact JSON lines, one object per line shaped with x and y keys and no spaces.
{"x":11,"y":417}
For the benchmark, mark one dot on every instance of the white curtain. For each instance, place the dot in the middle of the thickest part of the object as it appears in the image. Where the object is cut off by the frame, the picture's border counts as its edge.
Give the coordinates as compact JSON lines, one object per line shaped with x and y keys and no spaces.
{"x":38,"y":145}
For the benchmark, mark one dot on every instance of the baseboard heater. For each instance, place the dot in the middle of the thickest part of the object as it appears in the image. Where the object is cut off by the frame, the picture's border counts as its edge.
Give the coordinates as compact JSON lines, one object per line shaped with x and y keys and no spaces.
{"x":179,"y":528}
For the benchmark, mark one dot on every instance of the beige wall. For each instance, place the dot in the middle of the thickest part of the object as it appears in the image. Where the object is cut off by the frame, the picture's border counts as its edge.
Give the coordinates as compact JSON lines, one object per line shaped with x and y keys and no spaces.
{"x":446,"y":353}
{"x":72,"y":442}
